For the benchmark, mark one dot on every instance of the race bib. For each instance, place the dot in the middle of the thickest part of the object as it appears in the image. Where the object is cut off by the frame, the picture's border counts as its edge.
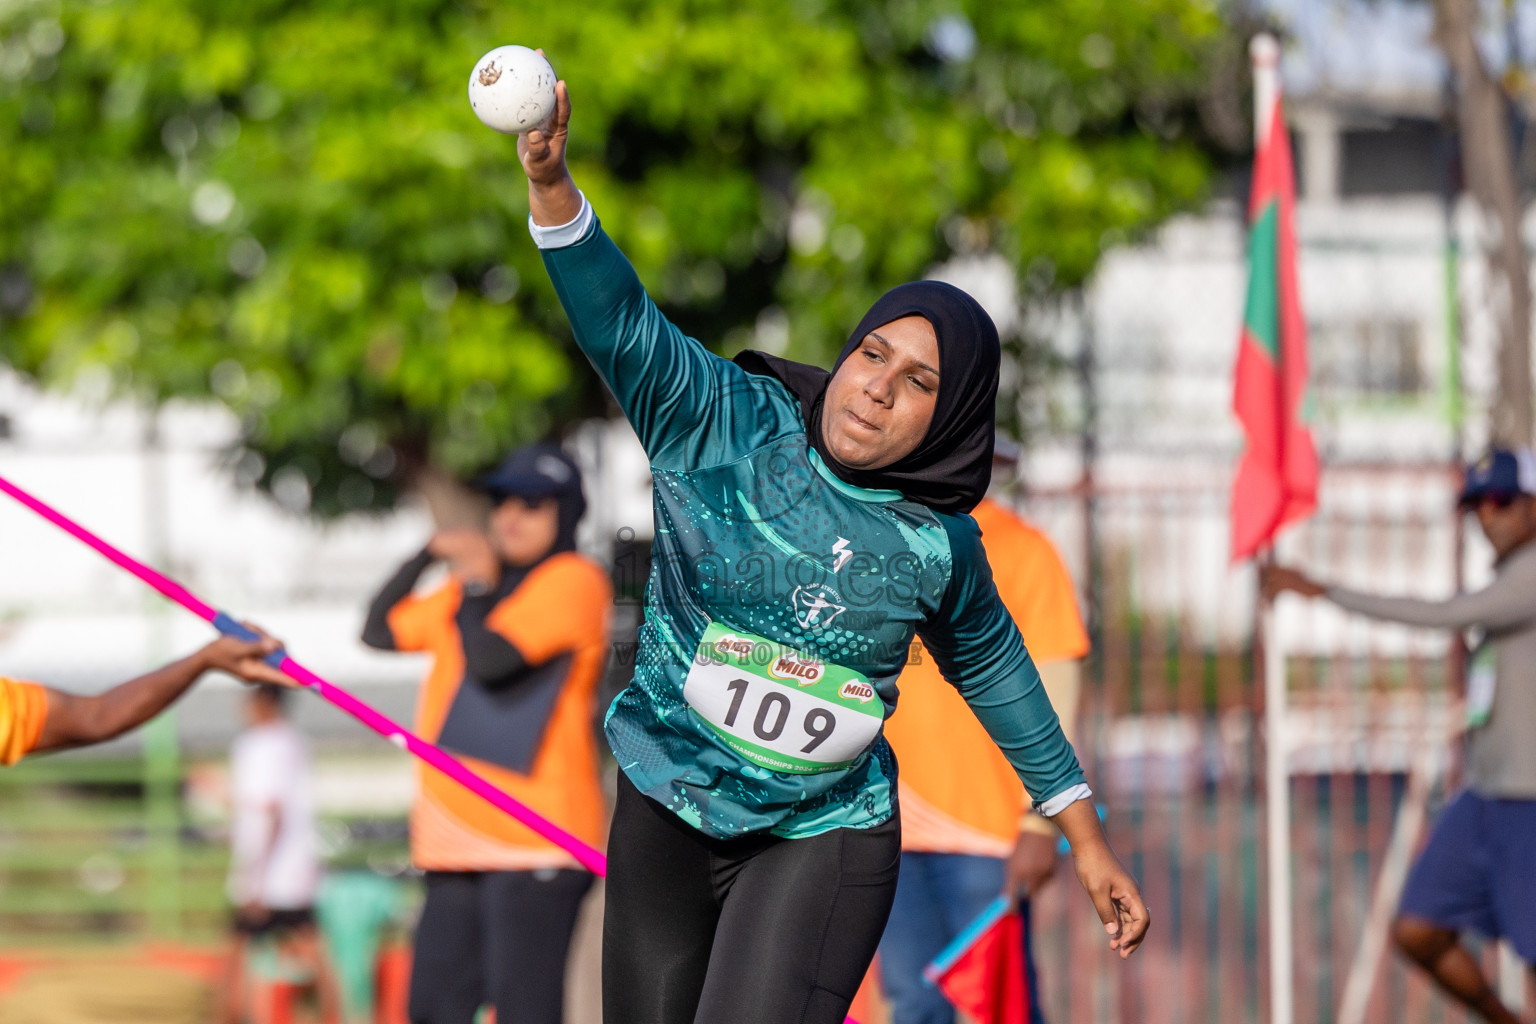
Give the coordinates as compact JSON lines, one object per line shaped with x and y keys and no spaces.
{"x":778,"y":708}
{"x":1482,"y":683}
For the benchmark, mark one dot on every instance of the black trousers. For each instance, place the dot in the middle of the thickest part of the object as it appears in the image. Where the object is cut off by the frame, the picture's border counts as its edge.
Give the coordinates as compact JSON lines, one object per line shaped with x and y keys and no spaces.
{"x":496,"y":938}
{"x":759,"y":930}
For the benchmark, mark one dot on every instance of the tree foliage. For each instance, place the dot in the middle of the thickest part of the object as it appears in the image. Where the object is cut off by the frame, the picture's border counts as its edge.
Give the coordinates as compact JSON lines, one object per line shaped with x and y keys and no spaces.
{"x":290,"y":208}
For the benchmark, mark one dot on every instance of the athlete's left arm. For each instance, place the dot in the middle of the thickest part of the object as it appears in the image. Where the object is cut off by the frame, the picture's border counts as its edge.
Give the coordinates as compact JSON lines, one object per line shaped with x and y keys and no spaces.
{"x":978,"y":649}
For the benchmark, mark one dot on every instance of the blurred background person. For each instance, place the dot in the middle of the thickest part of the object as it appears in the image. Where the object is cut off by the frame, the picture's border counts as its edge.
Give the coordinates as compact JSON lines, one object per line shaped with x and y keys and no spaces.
{"x":274,"y":869}
{"x":518,"y":636}
{"x":966,"y":830}
{"x":1477,"y":872}
{"x":36,"y":718}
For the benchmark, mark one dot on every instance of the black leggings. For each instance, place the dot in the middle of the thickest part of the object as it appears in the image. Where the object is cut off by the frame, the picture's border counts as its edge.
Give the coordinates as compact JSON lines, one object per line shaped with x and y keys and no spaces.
{"x":495,"y":938}
{"x":758,"y":930}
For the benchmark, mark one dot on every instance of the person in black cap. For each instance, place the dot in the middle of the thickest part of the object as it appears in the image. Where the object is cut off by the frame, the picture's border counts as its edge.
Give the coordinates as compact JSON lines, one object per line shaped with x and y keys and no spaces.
{"x":519,"y":638}
{"x":1477,"y":872}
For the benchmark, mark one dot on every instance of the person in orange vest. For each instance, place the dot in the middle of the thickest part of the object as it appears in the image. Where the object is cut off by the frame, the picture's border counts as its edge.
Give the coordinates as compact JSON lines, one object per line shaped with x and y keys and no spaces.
{"x":967,"y":833}
{"x":519,"y":638}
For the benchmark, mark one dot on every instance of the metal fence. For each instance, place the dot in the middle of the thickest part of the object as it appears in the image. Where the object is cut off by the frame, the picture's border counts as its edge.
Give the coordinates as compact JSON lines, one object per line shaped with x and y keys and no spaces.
{"x":116,"y":849}
{"x":1173,"y":736}
{"x":94,"y":848}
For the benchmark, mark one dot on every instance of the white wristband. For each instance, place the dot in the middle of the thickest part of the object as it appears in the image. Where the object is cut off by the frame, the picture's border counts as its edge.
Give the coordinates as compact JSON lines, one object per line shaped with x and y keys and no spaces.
{"x":562,"y":235}
{"x":1061,"y":801}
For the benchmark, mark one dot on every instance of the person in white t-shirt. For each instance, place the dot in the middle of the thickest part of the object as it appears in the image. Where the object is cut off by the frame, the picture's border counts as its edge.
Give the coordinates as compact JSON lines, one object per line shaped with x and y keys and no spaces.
{"x":274,"y":868}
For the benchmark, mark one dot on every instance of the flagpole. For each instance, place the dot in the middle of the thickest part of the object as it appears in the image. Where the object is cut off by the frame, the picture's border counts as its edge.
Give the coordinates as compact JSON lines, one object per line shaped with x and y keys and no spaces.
{"x":1277,"y":798}
{"x":1264,"y":52}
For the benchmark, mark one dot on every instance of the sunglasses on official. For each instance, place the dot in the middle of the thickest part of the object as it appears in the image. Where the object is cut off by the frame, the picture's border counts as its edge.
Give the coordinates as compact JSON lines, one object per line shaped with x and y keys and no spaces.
{"x":1498,"y":499}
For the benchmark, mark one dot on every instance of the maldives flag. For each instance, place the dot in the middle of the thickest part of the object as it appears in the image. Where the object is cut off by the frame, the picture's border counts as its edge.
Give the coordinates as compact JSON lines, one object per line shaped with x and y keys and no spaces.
{"x":982,"y":971}
{"x":1276,"y":480}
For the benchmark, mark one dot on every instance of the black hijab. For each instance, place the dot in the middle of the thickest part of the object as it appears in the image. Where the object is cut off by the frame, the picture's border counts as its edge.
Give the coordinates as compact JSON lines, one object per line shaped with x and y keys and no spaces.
{"x":949,"y":469}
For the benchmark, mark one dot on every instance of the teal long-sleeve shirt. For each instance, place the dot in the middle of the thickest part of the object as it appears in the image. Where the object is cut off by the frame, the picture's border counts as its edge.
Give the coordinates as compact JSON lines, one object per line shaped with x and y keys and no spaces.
{"x":782,"y":601}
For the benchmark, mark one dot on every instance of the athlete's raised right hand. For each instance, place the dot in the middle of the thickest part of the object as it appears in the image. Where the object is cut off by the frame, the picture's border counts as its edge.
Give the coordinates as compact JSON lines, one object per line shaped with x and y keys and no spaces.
{"x":552,"y":196}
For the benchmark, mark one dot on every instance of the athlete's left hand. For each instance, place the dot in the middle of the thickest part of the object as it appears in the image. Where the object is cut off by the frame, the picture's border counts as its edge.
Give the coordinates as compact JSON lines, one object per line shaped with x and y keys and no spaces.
{"x":1115,"y":896}
{"x":1114,"y":892}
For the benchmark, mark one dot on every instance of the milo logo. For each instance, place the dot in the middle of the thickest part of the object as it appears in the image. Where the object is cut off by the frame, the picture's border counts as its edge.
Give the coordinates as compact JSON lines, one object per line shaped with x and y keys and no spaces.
{"x":732,"y":644}
{"x":792,"y":666}
{"x":858,"y":690}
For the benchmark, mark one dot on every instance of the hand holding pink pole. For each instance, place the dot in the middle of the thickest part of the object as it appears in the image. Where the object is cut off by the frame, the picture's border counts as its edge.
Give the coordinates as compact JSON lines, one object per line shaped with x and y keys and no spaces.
{"x":591,"y":858}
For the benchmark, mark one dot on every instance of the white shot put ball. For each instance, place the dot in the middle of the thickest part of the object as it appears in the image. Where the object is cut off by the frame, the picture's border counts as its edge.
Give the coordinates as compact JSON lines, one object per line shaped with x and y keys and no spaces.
{"x":512,"y":89}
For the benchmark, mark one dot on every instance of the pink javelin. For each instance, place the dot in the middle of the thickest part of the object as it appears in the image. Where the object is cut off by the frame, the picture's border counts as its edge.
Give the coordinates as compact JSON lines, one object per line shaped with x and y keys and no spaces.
{"x":590,"y":857}
{"x":433,"y":755}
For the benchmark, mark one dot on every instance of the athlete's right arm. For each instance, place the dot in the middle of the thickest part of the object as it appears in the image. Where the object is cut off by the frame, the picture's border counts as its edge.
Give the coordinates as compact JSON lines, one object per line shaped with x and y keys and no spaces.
{"x":688,"y":406}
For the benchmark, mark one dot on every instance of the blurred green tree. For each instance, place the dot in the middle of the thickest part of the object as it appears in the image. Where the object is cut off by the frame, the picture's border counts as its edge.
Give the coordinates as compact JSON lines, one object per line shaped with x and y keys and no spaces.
{"x":290,"y":208}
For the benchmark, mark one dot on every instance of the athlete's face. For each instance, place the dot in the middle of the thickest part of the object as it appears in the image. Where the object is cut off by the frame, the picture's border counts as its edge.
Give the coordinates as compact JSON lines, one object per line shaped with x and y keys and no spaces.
{"x":880,"y":401}
{"x":524,"y":530}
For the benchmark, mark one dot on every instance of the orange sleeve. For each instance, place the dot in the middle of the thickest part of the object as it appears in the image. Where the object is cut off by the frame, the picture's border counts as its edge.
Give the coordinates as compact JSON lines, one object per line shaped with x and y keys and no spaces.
{"x":23,"y":710}
{"x":418,"y":622}
{"x":1035,"y":586}
{"x":562,"y":605}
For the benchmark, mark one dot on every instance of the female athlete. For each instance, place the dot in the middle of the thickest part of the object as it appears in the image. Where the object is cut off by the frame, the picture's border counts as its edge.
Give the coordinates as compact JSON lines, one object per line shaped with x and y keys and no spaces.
{"x":807,"y":525}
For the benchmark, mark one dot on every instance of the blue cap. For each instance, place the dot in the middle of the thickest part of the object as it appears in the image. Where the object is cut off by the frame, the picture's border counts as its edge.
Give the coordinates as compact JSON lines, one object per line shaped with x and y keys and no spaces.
{"x":537,"y":471}
{"x":1503,"y":474}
